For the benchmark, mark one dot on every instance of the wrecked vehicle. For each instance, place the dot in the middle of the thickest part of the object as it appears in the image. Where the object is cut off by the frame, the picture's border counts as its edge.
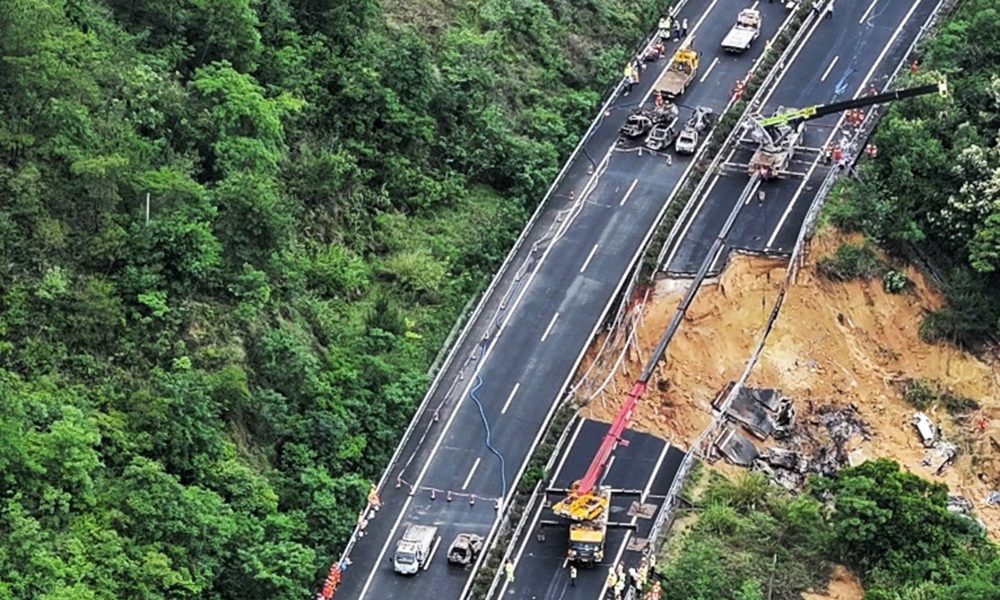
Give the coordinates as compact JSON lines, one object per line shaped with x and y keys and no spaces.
{"x":926,"y":429}
{"x":637,"y":124}
{"x":464,"y":549}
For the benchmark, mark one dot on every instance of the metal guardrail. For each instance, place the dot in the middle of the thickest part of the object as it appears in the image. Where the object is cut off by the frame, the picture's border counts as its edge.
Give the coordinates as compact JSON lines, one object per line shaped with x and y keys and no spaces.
{"x":471,"y":319}
{"x":506,"y":508}
{"x":686,"y":464}
{"x":751,"y":106}
{"x":702,"y":445}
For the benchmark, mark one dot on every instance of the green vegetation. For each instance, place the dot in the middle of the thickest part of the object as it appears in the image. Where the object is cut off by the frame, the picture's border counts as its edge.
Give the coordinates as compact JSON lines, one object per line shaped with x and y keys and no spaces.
{"x":935,"y":187}
{"x":851,"y":261}
{"x":923,"y":394}
{"x":195,"y":406}
{"x":752,"y":540}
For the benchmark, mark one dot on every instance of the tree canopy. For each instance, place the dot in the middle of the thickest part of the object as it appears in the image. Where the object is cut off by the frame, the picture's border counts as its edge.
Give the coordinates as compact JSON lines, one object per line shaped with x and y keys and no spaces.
{"x":195,"y":403}
{"x":889,"y":526}
{"x":935,"y":185}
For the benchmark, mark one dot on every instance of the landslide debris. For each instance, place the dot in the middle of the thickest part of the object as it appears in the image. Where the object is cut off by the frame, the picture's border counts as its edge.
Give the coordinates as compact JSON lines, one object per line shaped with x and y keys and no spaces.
{"x":848,"y":349}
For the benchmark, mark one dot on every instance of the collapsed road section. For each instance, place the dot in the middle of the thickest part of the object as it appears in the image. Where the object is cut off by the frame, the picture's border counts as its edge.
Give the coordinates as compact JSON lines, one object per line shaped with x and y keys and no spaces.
{"x":458,"y":464}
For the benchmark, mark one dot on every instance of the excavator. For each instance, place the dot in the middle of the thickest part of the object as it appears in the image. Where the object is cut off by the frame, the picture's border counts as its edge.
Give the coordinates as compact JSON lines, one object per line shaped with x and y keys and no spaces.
{"x":776,"y":137}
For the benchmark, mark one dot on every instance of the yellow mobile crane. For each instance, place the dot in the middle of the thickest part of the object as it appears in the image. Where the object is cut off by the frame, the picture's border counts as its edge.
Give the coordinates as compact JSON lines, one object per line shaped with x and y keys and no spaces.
{"x":777,"y":136}
{"x":586,"y":505}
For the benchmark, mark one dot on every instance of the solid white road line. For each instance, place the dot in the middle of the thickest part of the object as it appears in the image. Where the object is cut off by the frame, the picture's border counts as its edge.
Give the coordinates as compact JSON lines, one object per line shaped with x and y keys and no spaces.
{"x":754,"y":6}
{"x":628,"y":534}
{"x":629,"y":192}
{"x":826,"y":73}
{"x":715,"y":61}
{"x":472,"y":472}
{"x":506,"y":404}
{"x":589,"y":256}
{"x":548,"y":329}
{"x":690,"y":221}
{"x":482,"y":360}
{"x":864,"y":17}
{"x":572,"y":440}
{"x":430,"y":557}
{"x":472,"y":379}
{"x":864,"y":83}
{"x":705,"y":194}
{"x":541,"y":505}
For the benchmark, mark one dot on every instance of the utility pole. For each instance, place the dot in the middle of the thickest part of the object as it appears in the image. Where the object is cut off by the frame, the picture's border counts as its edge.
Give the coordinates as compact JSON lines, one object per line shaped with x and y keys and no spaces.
{"x":147,"y":208}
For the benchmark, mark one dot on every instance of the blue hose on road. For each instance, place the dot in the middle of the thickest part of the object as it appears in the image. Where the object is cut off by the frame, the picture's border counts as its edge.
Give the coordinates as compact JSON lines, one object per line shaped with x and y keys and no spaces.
{"x":486,"y":425}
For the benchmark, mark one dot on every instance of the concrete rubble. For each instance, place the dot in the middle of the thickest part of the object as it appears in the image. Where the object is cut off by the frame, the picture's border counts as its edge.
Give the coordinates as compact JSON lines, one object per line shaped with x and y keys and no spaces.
{"x":764,"y":412}
{"x":940,"y":455}
{"x":960,"y":504}
{"x":736,"y":447}
{"x":821,"y":443}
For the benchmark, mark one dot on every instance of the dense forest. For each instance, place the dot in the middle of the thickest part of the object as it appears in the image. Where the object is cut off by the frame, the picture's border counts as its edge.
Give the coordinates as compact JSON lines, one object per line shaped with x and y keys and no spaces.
{"x":934,"y":189}
{"x":752,"y":541}
{"x":196,"y":399}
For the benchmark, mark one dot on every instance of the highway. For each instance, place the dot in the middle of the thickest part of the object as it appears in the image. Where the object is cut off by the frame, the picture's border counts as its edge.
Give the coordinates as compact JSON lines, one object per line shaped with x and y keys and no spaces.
{"x":863,"y":44}
{"x":841,"y":58}
{"x":648,"y":463}
{"x":509,"y":371}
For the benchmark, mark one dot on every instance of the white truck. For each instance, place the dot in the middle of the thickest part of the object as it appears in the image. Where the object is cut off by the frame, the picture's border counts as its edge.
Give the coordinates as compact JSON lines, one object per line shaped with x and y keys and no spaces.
{"x":744,"y":32}
{"x":414,"y":550}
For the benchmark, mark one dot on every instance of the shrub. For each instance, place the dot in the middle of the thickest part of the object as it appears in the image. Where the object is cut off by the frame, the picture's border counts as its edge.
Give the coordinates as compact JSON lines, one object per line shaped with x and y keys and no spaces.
{"x":921,"y":394}
{"x":894,"y":281}
{"x":851,"y":262}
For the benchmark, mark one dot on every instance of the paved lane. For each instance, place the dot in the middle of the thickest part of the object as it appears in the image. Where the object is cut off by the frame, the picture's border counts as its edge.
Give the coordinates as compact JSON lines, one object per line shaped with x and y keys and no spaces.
{"x":647,"y":463}
{"x":545,"y":322}
{"x":843,"y":56}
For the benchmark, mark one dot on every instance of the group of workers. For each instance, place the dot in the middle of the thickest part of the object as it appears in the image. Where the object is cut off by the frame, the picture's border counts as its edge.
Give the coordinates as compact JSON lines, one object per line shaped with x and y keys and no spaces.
{"x":634,"y":578}
{"x":619,"y":579}
{"x":668,"y":26}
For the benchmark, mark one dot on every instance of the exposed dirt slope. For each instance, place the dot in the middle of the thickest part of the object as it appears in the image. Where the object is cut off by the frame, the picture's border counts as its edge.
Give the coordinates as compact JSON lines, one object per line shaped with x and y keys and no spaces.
{"x":711,"y":347}
{"x":844,"y":585}
{"x":832,"y":343}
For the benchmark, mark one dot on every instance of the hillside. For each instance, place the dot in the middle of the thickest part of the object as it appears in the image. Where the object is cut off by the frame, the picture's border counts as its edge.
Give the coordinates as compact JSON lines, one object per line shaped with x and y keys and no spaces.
{"x":234,"y":236}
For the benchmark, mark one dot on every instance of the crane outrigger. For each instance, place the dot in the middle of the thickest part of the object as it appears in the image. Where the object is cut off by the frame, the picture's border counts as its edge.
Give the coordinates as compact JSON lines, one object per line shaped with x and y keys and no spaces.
{"x":777,"y":136}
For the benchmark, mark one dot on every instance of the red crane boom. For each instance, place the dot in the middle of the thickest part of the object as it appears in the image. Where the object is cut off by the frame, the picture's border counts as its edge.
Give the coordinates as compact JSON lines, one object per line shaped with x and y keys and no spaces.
{"x":611,"y":440}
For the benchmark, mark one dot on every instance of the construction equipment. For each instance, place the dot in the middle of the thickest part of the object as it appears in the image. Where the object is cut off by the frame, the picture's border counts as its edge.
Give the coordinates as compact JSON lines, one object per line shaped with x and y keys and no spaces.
{"x":415,"y":548}
{"x":777,"y":136}
{"x":680,"y":73}
{"x":744,"y":32}
{"x":465,"y":548}
{"x":588,"y":500}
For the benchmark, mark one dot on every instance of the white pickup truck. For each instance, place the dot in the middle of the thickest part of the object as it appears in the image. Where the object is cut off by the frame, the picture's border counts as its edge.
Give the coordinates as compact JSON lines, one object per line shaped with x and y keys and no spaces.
{"x":415,"y":549}
{"x":744,"y":32}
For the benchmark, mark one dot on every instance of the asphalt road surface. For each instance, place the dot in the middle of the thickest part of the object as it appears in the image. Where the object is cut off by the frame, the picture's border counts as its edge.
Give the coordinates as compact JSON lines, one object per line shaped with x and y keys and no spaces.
{"x":861,"y":44}
{"x":843,"y":56}
{"x":647,"y":464}
{"x":538,"y":324}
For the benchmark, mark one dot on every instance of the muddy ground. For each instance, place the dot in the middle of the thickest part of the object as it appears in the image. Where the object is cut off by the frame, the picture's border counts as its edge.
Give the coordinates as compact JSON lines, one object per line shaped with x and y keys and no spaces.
{"x":833,"y":343}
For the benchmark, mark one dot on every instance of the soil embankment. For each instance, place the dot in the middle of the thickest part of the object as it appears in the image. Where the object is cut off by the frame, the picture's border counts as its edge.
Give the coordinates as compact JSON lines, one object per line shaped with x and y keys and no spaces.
{"x":833,"y":343}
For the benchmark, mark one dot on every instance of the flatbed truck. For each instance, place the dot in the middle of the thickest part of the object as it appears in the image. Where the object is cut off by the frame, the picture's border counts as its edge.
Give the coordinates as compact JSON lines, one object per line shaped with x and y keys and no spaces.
{"x":679,"y":74}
